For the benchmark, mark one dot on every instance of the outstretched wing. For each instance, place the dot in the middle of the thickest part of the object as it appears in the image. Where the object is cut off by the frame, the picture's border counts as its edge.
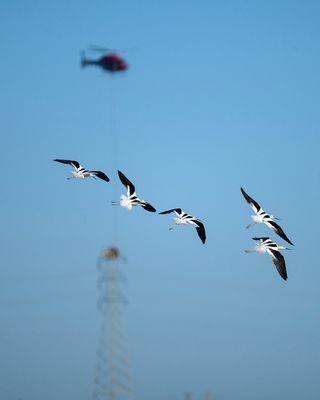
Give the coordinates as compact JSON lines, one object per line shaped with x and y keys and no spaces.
{"x":253,"y":204}
{"x":101,"y":175}
{"x":75,"y":164}
{"x":125,"y":181}
{"x":178,"y":210}
{"x":262,"y":239}
{"x":201,"y":231}
{"x":279,"y":262}
{"x":148,"y":207}
{"x":278,"y":230}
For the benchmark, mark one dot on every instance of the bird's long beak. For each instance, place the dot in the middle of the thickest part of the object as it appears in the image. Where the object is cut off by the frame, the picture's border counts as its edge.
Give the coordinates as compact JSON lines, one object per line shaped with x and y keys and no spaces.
{"x":249,"y":251}
{"x":248,"y":226}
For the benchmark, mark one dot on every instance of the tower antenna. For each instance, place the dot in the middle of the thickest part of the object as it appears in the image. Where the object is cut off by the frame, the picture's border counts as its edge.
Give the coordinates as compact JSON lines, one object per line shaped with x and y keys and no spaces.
{"x":113,"y":374}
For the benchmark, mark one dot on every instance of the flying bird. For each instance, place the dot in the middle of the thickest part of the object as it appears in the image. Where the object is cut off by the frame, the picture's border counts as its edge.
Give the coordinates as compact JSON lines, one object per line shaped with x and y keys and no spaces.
{"x":266,"y":245}
{"x":184,"y":218}
{"x":261,"y":217}
{"x":81,"y":173}
{"x":131,"y":199}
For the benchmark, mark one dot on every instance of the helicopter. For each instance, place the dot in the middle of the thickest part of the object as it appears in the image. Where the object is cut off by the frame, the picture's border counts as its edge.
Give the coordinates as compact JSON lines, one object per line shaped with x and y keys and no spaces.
{"x":110,"y":61}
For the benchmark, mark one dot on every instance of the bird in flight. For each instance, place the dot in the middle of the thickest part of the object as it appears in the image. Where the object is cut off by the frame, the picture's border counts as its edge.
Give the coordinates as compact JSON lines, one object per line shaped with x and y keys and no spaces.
{"x":131,"y":199}
{"x":81,"y":173}
{"x":184,"y":218}
{"x":266,"y":245}
{"x":261,"y":217}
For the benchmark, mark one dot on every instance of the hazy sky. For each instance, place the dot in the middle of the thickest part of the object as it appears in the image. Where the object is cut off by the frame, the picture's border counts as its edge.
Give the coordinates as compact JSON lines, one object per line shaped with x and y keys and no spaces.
{"x":219,"y":94}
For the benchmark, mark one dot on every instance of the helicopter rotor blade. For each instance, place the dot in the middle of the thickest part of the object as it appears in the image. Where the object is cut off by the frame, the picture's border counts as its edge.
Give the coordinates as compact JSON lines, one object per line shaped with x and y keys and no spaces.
{"x":100,"y":49}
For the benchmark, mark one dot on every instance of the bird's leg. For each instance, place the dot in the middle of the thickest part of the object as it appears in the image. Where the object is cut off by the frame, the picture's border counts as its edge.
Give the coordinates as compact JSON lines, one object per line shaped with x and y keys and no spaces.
{"x":115,"y":203}
{"x":284,"y":248}
{"x":249,"y":251}
{"x":71,"y":176}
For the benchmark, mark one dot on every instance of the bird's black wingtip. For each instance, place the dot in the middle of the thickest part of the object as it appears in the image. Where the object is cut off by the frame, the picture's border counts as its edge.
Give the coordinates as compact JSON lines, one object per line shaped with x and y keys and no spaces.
{"x":285,"y":237}
{"x":244,"y":194}
{"x":202,"y":236}
{"x":148,"y":207}
{"x":104,"y":177}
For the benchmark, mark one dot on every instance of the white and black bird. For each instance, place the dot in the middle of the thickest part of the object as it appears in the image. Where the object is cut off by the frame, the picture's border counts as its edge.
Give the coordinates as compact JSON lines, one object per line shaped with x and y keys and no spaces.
{"x":131,"y":199}
{"x":184,"y":218}
{"x":266,"y":245}
{"x":261,"y":217}
{"x":81,"y":173}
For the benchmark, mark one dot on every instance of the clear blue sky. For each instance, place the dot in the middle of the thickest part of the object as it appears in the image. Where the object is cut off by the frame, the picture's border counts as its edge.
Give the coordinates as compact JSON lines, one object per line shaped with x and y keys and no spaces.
{"x":219,"y":94}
